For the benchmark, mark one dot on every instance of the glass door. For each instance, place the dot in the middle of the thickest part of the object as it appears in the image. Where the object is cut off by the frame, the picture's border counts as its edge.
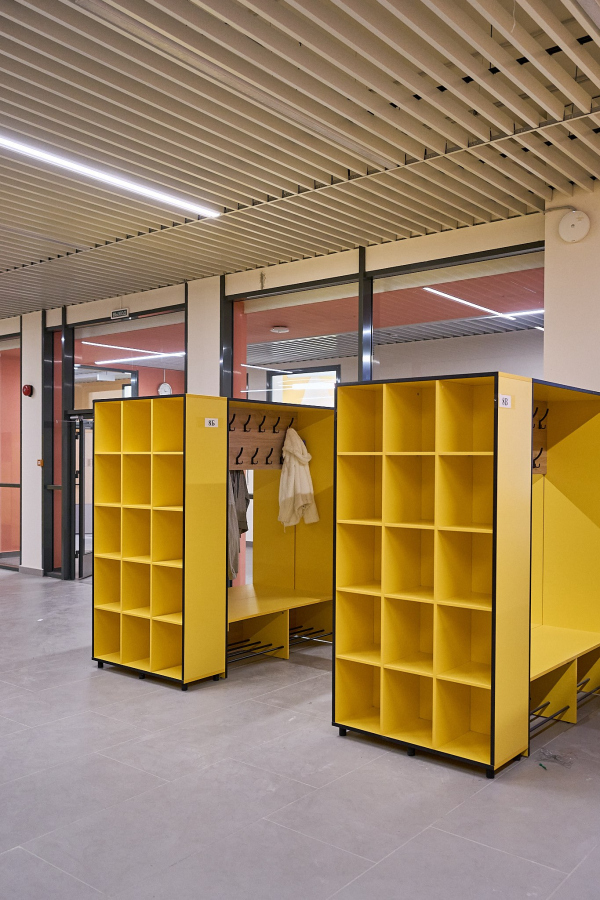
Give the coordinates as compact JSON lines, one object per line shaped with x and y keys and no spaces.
{"x":84,"y":441}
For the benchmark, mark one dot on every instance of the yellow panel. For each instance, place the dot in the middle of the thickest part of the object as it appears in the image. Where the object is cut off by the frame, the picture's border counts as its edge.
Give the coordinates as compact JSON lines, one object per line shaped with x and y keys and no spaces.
{"x":359,"y":489}
{"x":465,"y":492}
{"x":465,"y":415}
{"x":107,"y":638}
{"x":248,"y":600}
{"x":513,"y":570}
{"x":408,"y":562}
{"x":107,"y":530}
{"x":135,"y":642}
{"x":136,"y":533}
{"x":407,"y":636}
{"x":135,"y":586}
{"x":136,"y":479}
{"x":167,"y":534}
{"x":107,"y":478}
{"x":538,"y":483}
{"x":205,"y":578}
{"x":464,"y":569}
{"x":360,"y":414}
{"x":107,"y":583}
{"x":273,"y":546}
{"x":558,"y":689}
{"x":167,"y":480}
{"x":167,"y":590}
{"x":359,"y":558}
{"x":464,"y":645}
{"x":409,"y":490}
{"x":317,"y":618}
{"x":407,"y":708}
{"x":358,"y":695}
{"x":137,"y":420}
{"x":165,"y":646}
{"x":551,"y":646}
{"x":462,"y":720}
{"x":409,"y":421}
{"x":167,"y":425}
{"x":358,"y":635}
{"x":268,"y":631}
{"x":107,"y":426}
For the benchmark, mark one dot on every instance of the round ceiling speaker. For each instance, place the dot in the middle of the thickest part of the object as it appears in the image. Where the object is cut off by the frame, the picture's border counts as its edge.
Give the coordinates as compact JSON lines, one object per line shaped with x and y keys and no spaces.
{"x":574,"y":226}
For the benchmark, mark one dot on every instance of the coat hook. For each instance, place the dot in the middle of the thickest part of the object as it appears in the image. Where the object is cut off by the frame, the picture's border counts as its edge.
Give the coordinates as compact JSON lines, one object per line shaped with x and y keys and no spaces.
{"x":542,"y":419}
{"x":535,"y":412}
{"x":246,"y":422}
{"x":239,"y":456}
{"x":232,"y":420}
{"x":260,"y":427}
{"x":275,"y":428}
{"x":254,"y":455}
{"x":535,"y":459}
{"x":292,"y":422}
{"x":269,"y":463}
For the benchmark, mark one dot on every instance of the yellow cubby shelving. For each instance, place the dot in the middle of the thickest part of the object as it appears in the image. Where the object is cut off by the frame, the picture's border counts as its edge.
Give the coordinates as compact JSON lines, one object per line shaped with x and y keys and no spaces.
{"x":162,"y":603}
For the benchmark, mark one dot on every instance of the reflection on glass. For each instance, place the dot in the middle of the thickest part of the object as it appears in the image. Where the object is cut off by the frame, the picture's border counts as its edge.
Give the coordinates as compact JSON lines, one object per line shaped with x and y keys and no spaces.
{"x":10,"y":451}
{"x":304,"y":388}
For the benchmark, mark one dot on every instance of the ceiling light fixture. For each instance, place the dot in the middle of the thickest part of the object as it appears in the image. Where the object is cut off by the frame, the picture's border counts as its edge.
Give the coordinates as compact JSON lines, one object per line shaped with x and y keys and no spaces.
{"x":117,"y":347}
{"x":107,"y":178}
{"x":268,"y":369}
{"x":280,"y":329}
{"x":538,"y":327}
{"x":468,"y":303}
{"x":137,"y":359}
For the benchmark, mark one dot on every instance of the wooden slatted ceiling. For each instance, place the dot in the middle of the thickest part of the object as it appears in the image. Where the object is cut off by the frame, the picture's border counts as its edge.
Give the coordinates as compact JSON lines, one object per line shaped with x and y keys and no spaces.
{"x":312,"y":125}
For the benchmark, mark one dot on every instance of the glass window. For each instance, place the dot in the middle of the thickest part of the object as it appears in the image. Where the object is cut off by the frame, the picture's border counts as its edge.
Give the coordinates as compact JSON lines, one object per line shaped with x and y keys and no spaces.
{"x":293,"y":334}
{"x":478,"y":317}
{"x":10,"y":452}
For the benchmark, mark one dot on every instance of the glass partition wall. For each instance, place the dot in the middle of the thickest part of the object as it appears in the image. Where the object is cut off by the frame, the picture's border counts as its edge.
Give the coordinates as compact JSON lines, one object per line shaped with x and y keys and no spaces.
{"x":10,"y":452}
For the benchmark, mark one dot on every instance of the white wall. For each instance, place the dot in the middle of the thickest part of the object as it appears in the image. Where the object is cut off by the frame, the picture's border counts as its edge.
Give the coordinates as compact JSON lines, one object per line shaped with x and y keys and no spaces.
{"x":572,"y":298}
{"x":204,"y":337}
{"x":31,"y":445}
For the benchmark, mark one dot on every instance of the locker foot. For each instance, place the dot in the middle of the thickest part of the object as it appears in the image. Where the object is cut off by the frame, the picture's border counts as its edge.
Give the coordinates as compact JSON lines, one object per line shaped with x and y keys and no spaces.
{"x":343,"y":731}
{"x":411,"y":751}
{"x":141,"y":676}
{"x":184,"y":687}
{"x":489,"y":773}
{"x":100,"y":664}
{"x":216,"y":677}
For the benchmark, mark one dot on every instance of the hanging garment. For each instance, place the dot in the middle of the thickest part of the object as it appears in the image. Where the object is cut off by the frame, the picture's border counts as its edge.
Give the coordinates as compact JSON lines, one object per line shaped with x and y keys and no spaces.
{"x":241,"y":497}
{"x":233,"y":533}
{"x":296,"y":495}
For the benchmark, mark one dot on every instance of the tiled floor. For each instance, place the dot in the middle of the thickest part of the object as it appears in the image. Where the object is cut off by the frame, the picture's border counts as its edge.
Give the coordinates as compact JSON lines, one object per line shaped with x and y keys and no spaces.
{"x":115,"y":787}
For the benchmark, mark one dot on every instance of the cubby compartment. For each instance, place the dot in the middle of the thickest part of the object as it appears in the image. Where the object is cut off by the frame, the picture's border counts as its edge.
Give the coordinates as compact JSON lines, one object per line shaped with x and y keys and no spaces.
{"x":107,"y":427}
{"x":360,"y":415}
{"x":167,"y":425}
{"x":407,"y":643}
{"x":410,"y":417}
{"x":135,"y":643}
{"x":465,"y":420}
{"x":107,"y":479}
{"x":555,"y":694}
{"x":136,"y":534}
{"x":464,"y":569}
{"x":107,"y":531}
{"x":167,"y":481}
{"x":407,"y":707}
{"x":107,"y":584}
{"x":465,"y":496}
{"x":137,"y":426}
{"x":359,"y":489}
{"x":463,"y":721}
{"x":136,"y":479}
{"x":136,"y":588}
{"x":166,"y":649}
{"x":358,"y":633}
{"x":358,"y":695}
{"x":359,"y":558}
{"x":167,"y":593}
{"x":167,"y":537}
{"x":464,"y":645}
{"x":409,"y":490}
{"x":408,"y":563}
{"x":107,"y":635}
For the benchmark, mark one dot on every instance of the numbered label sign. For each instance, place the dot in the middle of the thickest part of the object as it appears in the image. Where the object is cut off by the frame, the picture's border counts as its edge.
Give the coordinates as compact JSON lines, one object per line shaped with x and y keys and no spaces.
{"x":505,"y":401}
{"x":211,"y":423}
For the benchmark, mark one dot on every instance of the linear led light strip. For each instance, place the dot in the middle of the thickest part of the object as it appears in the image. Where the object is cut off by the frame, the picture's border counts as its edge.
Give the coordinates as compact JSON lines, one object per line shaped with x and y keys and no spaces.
{"x":137,"y":359}
{"x":106,"y":178}
{"x":468,"y":303}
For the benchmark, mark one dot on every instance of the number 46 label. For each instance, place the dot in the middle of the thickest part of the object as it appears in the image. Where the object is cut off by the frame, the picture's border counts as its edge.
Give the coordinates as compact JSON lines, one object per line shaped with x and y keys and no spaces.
{"x":211,"y":423}
{"x":505,"y":401}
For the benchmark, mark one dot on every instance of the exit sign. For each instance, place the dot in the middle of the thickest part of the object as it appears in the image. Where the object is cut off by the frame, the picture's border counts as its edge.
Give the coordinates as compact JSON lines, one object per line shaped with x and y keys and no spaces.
{"x":119,"y":314}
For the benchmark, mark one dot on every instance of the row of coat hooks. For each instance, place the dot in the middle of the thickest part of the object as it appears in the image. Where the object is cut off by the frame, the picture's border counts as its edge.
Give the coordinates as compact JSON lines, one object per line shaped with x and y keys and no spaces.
{"x":254,"y":461}
{"x":256,"y":438}
{"x":541,"y":426}
{"x":261,"y":428}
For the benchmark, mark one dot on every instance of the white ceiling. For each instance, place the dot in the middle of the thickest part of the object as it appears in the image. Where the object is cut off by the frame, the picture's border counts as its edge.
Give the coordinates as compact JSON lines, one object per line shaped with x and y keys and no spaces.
{"x":312,"y":125}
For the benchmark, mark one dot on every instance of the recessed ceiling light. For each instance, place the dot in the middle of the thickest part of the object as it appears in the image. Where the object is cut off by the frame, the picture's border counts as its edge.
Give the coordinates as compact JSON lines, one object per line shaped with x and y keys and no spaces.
{"x":468,"y":303}
{"x":280,"y":329}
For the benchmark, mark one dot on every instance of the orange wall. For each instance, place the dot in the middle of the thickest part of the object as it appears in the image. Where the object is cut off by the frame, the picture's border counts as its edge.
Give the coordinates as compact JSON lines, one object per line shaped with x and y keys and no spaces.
{"x":10,"y":448}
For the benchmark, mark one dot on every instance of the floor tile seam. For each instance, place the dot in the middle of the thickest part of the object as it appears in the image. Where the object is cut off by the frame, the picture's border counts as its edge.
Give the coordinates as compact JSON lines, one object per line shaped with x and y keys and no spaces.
{"x":135,"y":768}
{"x":580,"y":863}
{"x":292,"y":684}
{"x":311,"y":837}
{"x":16,"y":722}
{"x":149,"y":690}
{"x":70,"y":715}
{"x":269,"y":772}
{"x":35,"y":692}
{"x":81,"y":712}
{"x":17,"y":686}
{"x":194,"y":771}
{"x":500,"y":850}
{"x":58,"y":868}
{"x":314,"y":716}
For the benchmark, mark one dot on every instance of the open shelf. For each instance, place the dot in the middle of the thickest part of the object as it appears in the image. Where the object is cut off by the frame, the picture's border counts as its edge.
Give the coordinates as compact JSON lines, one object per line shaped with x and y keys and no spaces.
{"x":167,"y":425}
{"x":407,"y":707}
{"x":358,"y":695}
{"x":137,"y":426}
{"x":465,"y":418}
{"x":135,"y":646}
{"x":107,"y":428}
{"x":409,"y":490}
{"x":464,"y":569}
{"x":552,"y":646}
{"x":463,"y":721}
{"x":464,"y":645}
{"x":136,"y":533}
{"x":359,"y":489}
{"x":360,"y":414}
{"x":410,"y":417}
{"x":167,"y":481}
{"x":247,"y":601}
{"x":166,"y":646}
{"x":465,"y":496}
{"x":107,"y":583}
{"x":107,"y":635}
{"x":358,"y":633}
{"x":107,"y":478}
{"x":359,"y":558}
{"x":167,"y":536}
{"x":408,"y":563}
{"x":408,"y":636}
{"x":167,"y":591}
{"x":136,"y":479}
{"x":107,"y":531}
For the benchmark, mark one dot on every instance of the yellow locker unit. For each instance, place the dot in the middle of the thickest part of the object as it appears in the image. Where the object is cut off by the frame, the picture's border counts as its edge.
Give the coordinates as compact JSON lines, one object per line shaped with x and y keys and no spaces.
{"x":433,"y":564}
{"x":161,"y":600}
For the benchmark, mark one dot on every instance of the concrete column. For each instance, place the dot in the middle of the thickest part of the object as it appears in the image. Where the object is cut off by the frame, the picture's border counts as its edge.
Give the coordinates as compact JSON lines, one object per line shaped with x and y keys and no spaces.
{"x":204,"y":337}
{"x":31,"y":445}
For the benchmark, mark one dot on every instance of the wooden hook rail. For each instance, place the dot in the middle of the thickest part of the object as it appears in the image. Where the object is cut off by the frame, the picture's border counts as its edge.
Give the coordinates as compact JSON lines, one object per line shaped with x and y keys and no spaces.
{"x":256,"y":438}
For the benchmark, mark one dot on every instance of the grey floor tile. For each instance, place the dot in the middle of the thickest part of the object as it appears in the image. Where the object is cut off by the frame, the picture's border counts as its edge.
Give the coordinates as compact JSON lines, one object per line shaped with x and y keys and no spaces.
{"x":9,"y":726}
{"x":584,"y":882}
{"x":11,"y":690}
{"x":161,"y":755}
{"x":551,"y":816}
{"x":33,"y":749}
{"x":378,"y":807}
{"x":312,"y":696}
{"x":39,"y":803}
{"x":314,"y":754}
{"x":260,"y":862}
{"x":436,"y":865}
{"x":116,"y":848}
{"x":25,"y":877}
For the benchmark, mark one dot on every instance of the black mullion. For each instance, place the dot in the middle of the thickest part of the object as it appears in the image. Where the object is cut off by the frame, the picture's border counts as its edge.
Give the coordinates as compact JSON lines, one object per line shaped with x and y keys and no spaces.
{"x":226,"y":362}
{"x":365,"y":320}
{"x":68,"y":451}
